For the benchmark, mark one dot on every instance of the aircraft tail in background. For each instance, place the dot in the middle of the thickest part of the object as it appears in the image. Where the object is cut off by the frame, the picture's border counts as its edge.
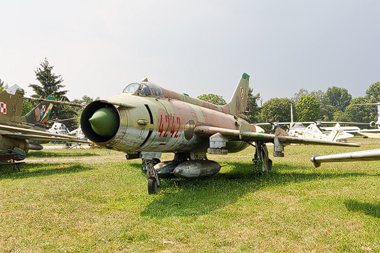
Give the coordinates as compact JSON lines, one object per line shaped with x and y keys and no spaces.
{"x":11,"y":101}
{"x":40,"y":114}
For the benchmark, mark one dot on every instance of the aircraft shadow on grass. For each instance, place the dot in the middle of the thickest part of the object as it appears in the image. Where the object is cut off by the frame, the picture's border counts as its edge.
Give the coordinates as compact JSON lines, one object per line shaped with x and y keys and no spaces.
{"x":43,"y":154}
{"x":364,"y":207}
{"x":202,"y":196}
{"x":38,"y":170}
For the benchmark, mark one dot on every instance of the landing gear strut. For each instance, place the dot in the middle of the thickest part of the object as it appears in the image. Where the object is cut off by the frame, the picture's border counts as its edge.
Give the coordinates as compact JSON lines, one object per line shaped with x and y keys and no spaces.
{"x":149,"y":159}
{"x":154,"y":183}
{"x":261,"y":160}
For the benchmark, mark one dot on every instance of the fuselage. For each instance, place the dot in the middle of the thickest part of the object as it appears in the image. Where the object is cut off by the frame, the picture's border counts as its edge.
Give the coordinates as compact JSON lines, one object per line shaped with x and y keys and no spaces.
{"x":164,"y":122}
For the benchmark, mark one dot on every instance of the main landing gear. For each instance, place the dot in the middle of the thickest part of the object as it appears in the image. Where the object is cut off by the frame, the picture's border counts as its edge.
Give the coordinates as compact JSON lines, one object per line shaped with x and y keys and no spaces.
{"x":154,"y":182}
{"x":261,"y":160}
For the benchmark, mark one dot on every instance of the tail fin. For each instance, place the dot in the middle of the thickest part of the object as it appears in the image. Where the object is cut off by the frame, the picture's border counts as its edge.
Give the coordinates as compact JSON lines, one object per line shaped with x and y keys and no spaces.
{"x":333,"y":136}
{"x":40,"y":113}
{"x":11,"y":101}
{"x":238,"y":103}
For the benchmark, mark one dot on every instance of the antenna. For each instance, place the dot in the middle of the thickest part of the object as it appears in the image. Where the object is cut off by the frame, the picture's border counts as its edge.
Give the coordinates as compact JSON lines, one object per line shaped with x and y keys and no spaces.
{"x":291,"y":113}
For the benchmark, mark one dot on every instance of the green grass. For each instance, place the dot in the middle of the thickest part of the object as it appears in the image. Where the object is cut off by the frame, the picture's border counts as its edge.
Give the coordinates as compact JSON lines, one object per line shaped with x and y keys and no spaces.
{"x":62,"y":203}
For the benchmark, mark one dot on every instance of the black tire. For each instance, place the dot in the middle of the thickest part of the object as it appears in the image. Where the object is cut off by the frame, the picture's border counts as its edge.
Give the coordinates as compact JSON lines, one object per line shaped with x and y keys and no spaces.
{"x":152,"y":186}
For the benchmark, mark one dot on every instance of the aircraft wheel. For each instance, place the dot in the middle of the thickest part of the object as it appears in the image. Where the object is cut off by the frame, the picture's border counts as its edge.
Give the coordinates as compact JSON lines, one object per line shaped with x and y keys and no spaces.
{"x":152,"y":186}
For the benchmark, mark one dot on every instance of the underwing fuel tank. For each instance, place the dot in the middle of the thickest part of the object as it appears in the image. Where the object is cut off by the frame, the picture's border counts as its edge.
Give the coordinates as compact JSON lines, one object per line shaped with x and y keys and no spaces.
{"x":194,"y":169}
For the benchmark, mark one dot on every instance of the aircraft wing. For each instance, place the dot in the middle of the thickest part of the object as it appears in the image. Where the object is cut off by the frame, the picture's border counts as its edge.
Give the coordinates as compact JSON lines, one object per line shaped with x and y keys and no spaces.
{"x":24,"y":133}
{"x":245,"y":135}
{"x":371,"y":133}
{"x":42,"y":138}
{"x":366,"y":155}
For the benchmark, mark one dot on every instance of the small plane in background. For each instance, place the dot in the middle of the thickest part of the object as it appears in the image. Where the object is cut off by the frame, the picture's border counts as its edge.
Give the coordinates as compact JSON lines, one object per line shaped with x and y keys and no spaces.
{"x":147,"y":120}
{"x":365,"y":155}
{"x":58,"y":128}
{"x":14,"y":135}
{"x":314,"y":130}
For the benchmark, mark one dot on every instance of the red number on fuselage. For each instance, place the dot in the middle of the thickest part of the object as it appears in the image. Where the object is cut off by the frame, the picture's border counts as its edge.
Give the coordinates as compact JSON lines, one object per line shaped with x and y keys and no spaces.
{"x":170,"y":123}
{"x":179,"y":125}
{"x":167,"y":120}
{"x":160,"y":127}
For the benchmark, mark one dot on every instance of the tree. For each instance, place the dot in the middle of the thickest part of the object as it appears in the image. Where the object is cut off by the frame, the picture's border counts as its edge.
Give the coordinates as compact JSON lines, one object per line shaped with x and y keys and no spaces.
{"x":27,"y":106}
{"x":337,"y":97}
{"x":212,"y":98}
{"x":84,"y":101}
{"x":3,"y":86}
{"x":327,"y":112}
{"x":373,"y":93}
{"x":253,"y":108}
{"x":302,"y":92}
{"x":358,"y":113}
{"x":318,"y":94}
{"x":51,"y":85}
{"x":276,"y":108}
{"x":308,"y":108}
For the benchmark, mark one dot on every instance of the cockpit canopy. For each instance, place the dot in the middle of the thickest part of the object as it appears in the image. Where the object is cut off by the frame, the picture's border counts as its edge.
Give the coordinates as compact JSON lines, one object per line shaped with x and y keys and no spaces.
{"x":143,"y":89}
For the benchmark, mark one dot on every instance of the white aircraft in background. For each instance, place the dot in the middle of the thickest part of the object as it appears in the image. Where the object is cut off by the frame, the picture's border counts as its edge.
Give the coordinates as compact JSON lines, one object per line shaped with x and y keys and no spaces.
{"x":366,"y":155}
{"x":58,"y":128}
{"x":78,"y":133}
{"x":315,"y":131}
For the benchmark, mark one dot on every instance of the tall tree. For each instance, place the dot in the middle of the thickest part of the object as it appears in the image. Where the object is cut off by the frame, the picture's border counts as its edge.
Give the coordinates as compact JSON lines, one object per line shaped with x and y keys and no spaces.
{"x":308,"y":108}
{"x":212,"y":98}
{"x":51,"y":85}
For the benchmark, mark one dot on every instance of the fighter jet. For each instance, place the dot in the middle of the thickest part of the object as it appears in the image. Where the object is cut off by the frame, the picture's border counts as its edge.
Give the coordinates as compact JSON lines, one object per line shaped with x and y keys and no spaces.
{"x":14,"y":135}
{"x":147,"y":120}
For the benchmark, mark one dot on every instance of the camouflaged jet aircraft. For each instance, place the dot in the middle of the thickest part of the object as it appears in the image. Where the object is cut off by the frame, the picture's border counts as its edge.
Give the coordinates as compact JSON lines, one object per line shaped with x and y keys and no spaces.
{"x":147,"y":120}
{"x":14,"y":135}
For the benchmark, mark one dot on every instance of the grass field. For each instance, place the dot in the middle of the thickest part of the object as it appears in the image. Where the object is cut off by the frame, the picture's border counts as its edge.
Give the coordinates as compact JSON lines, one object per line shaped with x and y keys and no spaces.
{"x":96,"y":201}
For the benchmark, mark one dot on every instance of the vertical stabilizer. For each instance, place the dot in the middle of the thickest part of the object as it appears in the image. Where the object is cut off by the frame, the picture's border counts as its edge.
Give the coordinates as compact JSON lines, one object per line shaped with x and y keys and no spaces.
{"x":11,"y":101}
{"x":238,"y":103}
{"x":40,"y":113}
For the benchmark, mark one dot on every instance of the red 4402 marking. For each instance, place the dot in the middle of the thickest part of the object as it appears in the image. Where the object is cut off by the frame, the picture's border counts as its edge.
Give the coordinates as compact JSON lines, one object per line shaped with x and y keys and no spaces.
{"x":166,"y":122}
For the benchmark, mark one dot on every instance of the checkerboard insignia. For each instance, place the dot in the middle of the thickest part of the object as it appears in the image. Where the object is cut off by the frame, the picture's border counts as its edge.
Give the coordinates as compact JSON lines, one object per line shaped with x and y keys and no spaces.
{"x":3,"y":108}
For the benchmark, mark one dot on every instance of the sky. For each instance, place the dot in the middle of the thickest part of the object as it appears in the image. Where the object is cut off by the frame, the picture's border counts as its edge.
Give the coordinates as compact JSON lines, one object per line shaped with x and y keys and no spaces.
{"x":194,"y":47}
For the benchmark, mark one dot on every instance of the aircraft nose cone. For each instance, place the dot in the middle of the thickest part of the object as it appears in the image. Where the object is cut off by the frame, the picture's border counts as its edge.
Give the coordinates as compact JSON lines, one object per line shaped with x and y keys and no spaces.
{"x":103,"y":122}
